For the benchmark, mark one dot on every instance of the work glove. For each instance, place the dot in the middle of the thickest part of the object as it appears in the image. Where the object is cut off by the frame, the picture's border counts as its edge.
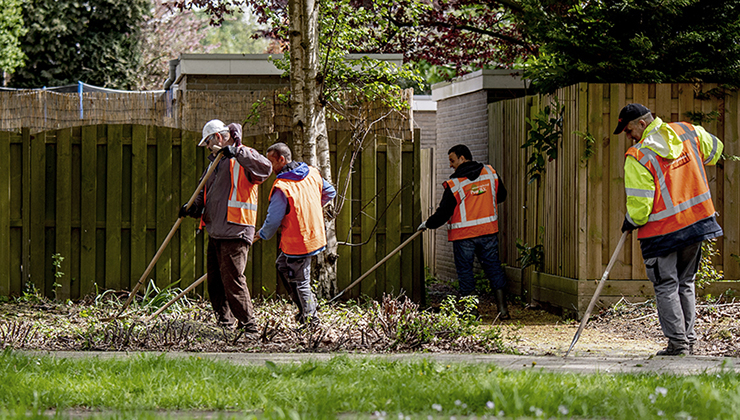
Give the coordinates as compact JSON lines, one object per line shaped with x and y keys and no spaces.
{"x":627,"y":226}
{"x":422,"y":226}
{"x":193,"y":211}
{"x":228,"y":151}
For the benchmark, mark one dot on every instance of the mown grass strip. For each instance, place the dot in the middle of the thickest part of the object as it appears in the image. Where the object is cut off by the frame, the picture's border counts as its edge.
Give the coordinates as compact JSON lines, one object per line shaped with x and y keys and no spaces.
{"x":146,"y":385}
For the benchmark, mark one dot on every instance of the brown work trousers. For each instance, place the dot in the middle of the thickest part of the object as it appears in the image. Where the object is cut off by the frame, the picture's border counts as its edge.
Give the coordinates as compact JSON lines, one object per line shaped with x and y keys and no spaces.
{"x":227,"y":285}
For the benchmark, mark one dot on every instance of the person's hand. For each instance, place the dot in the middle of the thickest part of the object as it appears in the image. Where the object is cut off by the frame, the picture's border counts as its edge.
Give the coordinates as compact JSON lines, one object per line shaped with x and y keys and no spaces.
{"x":184,"y":211}
{"x":627,"y":226}
{"x":422,"y":226}
{"x":229,"y":151}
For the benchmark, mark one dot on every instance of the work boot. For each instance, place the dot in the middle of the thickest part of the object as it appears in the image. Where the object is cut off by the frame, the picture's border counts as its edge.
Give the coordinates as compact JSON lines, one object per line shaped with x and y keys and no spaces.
{"x":503,"y":309}
{"x":673,"y":350}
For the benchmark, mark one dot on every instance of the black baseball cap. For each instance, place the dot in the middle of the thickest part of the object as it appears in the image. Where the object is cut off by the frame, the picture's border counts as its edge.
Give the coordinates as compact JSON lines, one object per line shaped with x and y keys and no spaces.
{"x":629,"y":113}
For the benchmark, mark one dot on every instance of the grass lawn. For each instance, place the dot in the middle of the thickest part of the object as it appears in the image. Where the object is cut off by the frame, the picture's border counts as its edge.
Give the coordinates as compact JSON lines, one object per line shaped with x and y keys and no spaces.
{"x":157,"y":387}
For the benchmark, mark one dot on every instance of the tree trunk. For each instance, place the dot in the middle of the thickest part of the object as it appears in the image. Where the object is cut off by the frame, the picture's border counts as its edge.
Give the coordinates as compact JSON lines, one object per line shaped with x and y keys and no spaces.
{"x":310,"y":139}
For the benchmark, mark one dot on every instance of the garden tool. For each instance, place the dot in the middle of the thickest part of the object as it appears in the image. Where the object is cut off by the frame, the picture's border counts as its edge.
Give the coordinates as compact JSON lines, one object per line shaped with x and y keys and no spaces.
{"x":591,"y":304}
{"x":367,"y":273}
{"x":166,"y":241}
{"x":185,"y":292}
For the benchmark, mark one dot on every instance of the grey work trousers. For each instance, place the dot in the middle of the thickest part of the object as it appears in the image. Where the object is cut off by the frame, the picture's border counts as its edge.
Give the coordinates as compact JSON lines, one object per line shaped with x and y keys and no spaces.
{"x":295,"y":274}
{"x":673,"y":276}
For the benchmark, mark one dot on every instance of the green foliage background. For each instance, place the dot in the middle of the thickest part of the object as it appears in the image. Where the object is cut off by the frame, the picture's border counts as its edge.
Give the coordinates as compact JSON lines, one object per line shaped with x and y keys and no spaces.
{"x":94,"y":41}
{"x":11,"y":30}
{"x":632,"y":41}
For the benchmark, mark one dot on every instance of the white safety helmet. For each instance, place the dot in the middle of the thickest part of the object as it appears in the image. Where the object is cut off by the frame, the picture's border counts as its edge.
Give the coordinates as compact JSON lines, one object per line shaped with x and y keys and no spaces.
{"x":212,"y":127}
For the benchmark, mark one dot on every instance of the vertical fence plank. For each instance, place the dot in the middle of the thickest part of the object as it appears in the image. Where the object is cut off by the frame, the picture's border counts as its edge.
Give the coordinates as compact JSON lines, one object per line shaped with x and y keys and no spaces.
{"x":731,"y":180}
{"x":369,"y":219}
{"x":585,"y":108}
{"x":417,"y":279}
{"x":88,"y":209}
{"x":188,"y":184}
{"x":595,"y":180}
{"x":5,"y":260}
{"x":614,"y":195}
{"x":165,"y":214}
{"x":394,"y":191}
{"x":344,"y":217}
{"x":63,"y":244}
{"x":139,"y":194}
{"x":25,"y":207}
{"x":37,"y":215}
{"x":114,"y":190}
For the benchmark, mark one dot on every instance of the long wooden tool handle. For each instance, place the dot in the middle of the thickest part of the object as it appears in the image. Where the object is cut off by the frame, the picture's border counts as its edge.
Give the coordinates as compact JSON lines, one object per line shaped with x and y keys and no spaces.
{"x":178,"y":297}
{"x":591,"y":304}
{"x":367,"y":273}
{"x":166,"y":241}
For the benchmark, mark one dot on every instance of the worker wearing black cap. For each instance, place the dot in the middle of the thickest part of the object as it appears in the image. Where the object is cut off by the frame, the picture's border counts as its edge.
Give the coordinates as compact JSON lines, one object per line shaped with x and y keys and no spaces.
{"x":670,"y":205}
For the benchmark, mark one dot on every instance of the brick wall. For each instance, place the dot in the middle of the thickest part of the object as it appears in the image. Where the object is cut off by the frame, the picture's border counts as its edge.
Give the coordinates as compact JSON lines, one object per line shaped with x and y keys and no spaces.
{"x":460,"y":120}
{"x":426,"y":122}
{"x":214,"y":82}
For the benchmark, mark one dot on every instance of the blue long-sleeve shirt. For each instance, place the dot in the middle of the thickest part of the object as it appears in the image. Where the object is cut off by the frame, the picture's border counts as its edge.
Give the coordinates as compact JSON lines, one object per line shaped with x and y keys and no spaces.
{"x":278,"y":207}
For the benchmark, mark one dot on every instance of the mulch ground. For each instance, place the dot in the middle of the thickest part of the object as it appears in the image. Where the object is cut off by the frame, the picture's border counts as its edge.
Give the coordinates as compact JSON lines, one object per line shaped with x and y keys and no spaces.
{"x":393,"y":325}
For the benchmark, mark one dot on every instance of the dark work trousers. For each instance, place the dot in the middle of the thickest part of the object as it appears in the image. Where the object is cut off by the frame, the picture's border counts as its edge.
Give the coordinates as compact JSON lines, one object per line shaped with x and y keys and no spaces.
{"x":673,"y":276}
{"x":295,"y":274}
{"x":486,"y":248}
{"x":227,"y":285}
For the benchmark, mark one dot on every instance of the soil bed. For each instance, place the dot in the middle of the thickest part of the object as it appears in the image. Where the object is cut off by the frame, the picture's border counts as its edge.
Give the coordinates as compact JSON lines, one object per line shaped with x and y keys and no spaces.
{"x":393,"y":325}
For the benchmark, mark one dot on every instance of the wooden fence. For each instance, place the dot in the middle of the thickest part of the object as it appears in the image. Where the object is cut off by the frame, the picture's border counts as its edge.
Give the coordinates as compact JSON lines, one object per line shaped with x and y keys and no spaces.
{"x":104,"y":197}
{"x":577,"y":209}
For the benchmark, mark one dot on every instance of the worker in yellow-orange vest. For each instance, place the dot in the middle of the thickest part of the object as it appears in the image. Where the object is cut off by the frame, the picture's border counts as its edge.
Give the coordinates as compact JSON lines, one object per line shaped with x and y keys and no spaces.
{"x":469,"y":206}
{"x":297,"y":199}
{"x":670,"y":205}
{"x":227,"y":207}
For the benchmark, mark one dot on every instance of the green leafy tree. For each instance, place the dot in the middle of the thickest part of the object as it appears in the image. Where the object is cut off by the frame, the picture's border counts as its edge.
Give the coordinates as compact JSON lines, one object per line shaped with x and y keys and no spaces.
{"x":94,"y":41}
{"x":631,"y":41}
{"x":238,"y":34}
{"x":11,"y":30}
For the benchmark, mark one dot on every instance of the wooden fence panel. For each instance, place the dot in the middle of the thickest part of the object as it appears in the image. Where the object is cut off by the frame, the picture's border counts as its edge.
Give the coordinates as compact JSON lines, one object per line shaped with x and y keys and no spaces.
{"x":581,"y":205}
{"x":369,"y":188}
{"x":107,"y":196}
{"x":5,"y":188}
{"x":64,"y":207}
{"x":731,"y":180}
{"x":139,"y":195}
{"x":113,"y":216}
{"x":165,"y":205}
{"x":343,"y":141}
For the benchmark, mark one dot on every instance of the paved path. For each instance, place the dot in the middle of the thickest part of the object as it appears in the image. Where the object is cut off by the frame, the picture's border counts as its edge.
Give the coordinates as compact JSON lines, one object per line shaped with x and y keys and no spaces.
{"x":576,"y":364}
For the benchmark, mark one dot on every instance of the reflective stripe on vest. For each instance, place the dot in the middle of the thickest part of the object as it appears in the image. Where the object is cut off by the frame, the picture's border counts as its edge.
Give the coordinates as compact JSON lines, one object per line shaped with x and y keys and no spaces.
{"x":242,"y":205}
{"x":672,"y":209}
{"x":303,"y":228}
{"x":463,"y":225}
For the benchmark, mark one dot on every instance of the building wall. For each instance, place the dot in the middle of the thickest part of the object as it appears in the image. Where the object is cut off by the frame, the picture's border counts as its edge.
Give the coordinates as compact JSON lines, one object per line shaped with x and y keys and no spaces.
{"x":426,"y":122}
{"x":211,"y":82}
{"x":460,"y":120}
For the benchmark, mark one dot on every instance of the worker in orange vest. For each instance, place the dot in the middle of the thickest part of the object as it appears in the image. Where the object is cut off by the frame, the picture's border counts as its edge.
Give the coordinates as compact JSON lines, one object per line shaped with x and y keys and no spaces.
{"x":469,"y":207}
{"x":670,"y":205}
{"x":296,"y":204}
{"x":227,"y":207}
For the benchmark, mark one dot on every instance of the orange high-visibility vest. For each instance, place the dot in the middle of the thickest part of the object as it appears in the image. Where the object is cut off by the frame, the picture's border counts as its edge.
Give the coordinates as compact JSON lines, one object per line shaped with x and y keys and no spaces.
{"x":476,"y":213}
{"x":303,"y":227}
{"x":682,"y":195}
{"x":242,"y":204}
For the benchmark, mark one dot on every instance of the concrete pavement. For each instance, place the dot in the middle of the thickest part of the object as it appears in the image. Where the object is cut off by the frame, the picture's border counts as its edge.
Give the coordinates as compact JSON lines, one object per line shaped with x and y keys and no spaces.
{"x":687,"y":365}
